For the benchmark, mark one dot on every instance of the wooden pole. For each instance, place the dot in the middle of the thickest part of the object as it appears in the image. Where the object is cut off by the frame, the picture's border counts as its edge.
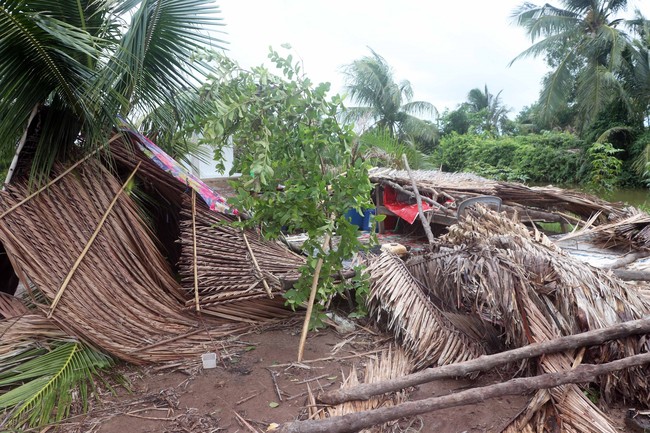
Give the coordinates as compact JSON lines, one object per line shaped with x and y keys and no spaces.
{"x":423,"y":219}
{"x":21,"y":144}
{"x":312,"y":297}
{"x":355,"y":422}
{"x":488,"y":362}
{"x":257,"y":266}
{"x":195,"y":265}
{"x":57,"y":298}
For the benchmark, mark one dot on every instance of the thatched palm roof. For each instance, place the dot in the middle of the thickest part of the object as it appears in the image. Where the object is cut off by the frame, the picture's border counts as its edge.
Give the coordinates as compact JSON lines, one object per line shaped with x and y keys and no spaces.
{"x":83,"y":240}
{"x":461,"y":186}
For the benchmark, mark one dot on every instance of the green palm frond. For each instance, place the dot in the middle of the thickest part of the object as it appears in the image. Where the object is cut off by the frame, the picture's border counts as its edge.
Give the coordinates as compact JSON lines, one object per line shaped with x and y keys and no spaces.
{"x":40,"y":390}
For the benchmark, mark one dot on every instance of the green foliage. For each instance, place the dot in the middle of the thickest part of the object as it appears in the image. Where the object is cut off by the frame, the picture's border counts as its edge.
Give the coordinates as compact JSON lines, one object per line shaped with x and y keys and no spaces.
{"x":380,"y":149}
{"x":285,"y":132}
{"x":39,"y":386}
{"x":385,"y":103}
{"x":82,"y":63}
{"x":597,"y":59}
{"x":551,"y":157}
{"x":605,"y":166}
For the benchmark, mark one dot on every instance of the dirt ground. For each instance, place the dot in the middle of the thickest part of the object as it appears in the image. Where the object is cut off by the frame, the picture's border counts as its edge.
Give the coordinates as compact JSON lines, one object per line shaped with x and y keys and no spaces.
{"x":241,"y":395}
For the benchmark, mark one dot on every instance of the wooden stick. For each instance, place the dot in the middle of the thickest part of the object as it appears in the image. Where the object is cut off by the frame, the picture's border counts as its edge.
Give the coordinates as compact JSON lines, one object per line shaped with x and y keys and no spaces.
{"x":357,"y":421}
{"x":21,"y":144}
{"x":423,"y":219}
{"x":488,"y":362}
{"x":195,"y":264}
{"x":50,"y":183}
{"x":328,"y":358}
{"x":89,"y":243}
{"x":257,"y":266}
{"x":312,"y":298}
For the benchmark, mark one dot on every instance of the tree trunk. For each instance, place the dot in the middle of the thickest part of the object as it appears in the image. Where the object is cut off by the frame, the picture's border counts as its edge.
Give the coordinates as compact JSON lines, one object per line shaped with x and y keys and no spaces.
{"x":488,"y":362}
{"x":354,"y":422}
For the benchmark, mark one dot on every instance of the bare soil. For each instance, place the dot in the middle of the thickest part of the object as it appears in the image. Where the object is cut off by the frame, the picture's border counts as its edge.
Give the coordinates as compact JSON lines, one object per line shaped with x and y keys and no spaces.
{"x":240,"y":395}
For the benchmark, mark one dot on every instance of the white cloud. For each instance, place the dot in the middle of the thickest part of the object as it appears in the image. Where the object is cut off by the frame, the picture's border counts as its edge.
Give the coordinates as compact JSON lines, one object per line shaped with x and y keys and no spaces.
{"x":443,"y":48}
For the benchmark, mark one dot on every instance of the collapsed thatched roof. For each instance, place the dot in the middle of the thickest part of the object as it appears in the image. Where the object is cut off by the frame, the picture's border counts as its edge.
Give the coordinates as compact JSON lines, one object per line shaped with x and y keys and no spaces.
{"x":461,"y":186}
{"x":492,"y":268}
{"x":117,"y":290}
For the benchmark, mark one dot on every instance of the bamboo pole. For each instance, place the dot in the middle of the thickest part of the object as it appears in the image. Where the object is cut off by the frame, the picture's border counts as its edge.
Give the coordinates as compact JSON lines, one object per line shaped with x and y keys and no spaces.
{"x":89,"y":244}
{"x":365,"y":391}
{"x":312,"y":296}
{"x":195,"y":265}
{"x":21,"y":144}
{"x":418,"y":198}
{"x":257,"y":266}
{"x":52,"y":182}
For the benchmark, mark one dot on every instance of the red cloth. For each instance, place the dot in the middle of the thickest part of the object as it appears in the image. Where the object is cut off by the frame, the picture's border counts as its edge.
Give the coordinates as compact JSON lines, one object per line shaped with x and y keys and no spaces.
{"x":408,"y":212}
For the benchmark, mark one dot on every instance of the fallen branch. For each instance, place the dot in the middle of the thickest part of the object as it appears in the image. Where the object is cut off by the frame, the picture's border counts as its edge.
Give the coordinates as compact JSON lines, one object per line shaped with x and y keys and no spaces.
{"x":488,"y":362}
{"x":357,"y":421}
{"x":631,"y":275}
{"x":627,"y":259}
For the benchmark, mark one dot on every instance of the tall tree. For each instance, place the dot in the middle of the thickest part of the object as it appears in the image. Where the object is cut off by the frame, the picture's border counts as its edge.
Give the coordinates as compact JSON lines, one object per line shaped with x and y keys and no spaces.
{"x":589,"y":49}
{"x":75,"y":66}
{"x":487,"y":109}
{"x":385,"y":103}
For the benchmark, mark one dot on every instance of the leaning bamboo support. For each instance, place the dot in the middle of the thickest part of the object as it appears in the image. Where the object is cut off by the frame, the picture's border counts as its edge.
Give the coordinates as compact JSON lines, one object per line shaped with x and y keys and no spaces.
{"x":195,"y":264}
{"x":21,"y":144}
{"x":46,"y":186}
{"x":312,"y":296}
{"x":487,"y":362}
{"x":425,"y":223}
{"x":256,"y":264}
{"x":357,"y":421}
{"x":57,"y":298}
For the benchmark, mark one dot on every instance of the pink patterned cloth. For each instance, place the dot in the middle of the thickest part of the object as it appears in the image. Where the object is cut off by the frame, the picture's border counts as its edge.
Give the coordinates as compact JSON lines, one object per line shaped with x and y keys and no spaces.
{"x":213,"y":199}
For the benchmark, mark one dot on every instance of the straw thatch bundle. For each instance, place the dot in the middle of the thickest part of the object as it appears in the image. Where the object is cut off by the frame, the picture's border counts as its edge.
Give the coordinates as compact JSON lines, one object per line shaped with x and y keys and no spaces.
{"x":631,"y":231}
{"x":122,"y":297}
{"x":392,"y":363}
{"x":230,"y":286}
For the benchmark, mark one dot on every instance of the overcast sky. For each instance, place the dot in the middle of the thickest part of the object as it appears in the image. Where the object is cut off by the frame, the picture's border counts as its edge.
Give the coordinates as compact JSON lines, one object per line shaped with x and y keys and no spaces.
{"x":444,"y":48}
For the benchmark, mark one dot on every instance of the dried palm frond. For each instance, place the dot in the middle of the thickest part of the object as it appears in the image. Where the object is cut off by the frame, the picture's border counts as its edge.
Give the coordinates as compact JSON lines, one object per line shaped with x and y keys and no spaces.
{"x":11,"y":306}
{"x":631,"y":230}
{"x":391,"y":364}
{"x":499,"y":270}
{"x":25,"y":332}
{"x":123,"y":296}
{"x":425,"y":333}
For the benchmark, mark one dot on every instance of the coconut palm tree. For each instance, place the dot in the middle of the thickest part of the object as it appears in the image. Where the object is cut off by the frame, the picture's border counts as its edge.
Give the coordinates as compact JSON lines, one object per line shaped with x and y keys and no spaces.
{"x":69,"y":68}
{"x":385,"y":103}
{"x":488,"y":108}
{"x":589,"y":50}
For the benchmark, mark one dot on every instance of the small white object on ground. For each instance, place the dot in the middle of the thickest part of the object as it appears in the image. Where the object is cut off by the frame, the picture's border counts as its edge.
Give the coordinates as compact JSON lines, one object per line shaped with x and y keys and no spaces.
{"x":209,"y":360}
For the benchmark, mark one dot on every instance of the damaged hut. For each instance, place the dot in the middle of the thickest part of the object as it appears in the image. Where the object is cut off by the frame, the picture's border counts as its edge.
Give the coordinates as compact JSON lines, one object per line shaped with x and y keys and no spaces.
{"x":108,"y":273}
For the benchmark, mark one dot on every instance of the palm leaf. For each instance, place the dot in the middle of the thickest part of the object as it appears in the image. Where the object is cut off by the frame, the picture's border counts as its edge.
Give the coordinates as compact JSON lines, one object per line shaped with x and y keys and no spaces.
{"x":40,"y":388}
{"x":425,"y":333}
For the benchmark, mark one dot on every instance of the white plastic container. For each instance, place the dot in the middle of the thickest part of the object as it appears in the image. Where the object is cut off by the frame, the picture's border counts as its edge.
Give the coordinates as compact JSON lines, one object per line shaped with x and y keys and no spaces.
{"x":209,"y":360}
